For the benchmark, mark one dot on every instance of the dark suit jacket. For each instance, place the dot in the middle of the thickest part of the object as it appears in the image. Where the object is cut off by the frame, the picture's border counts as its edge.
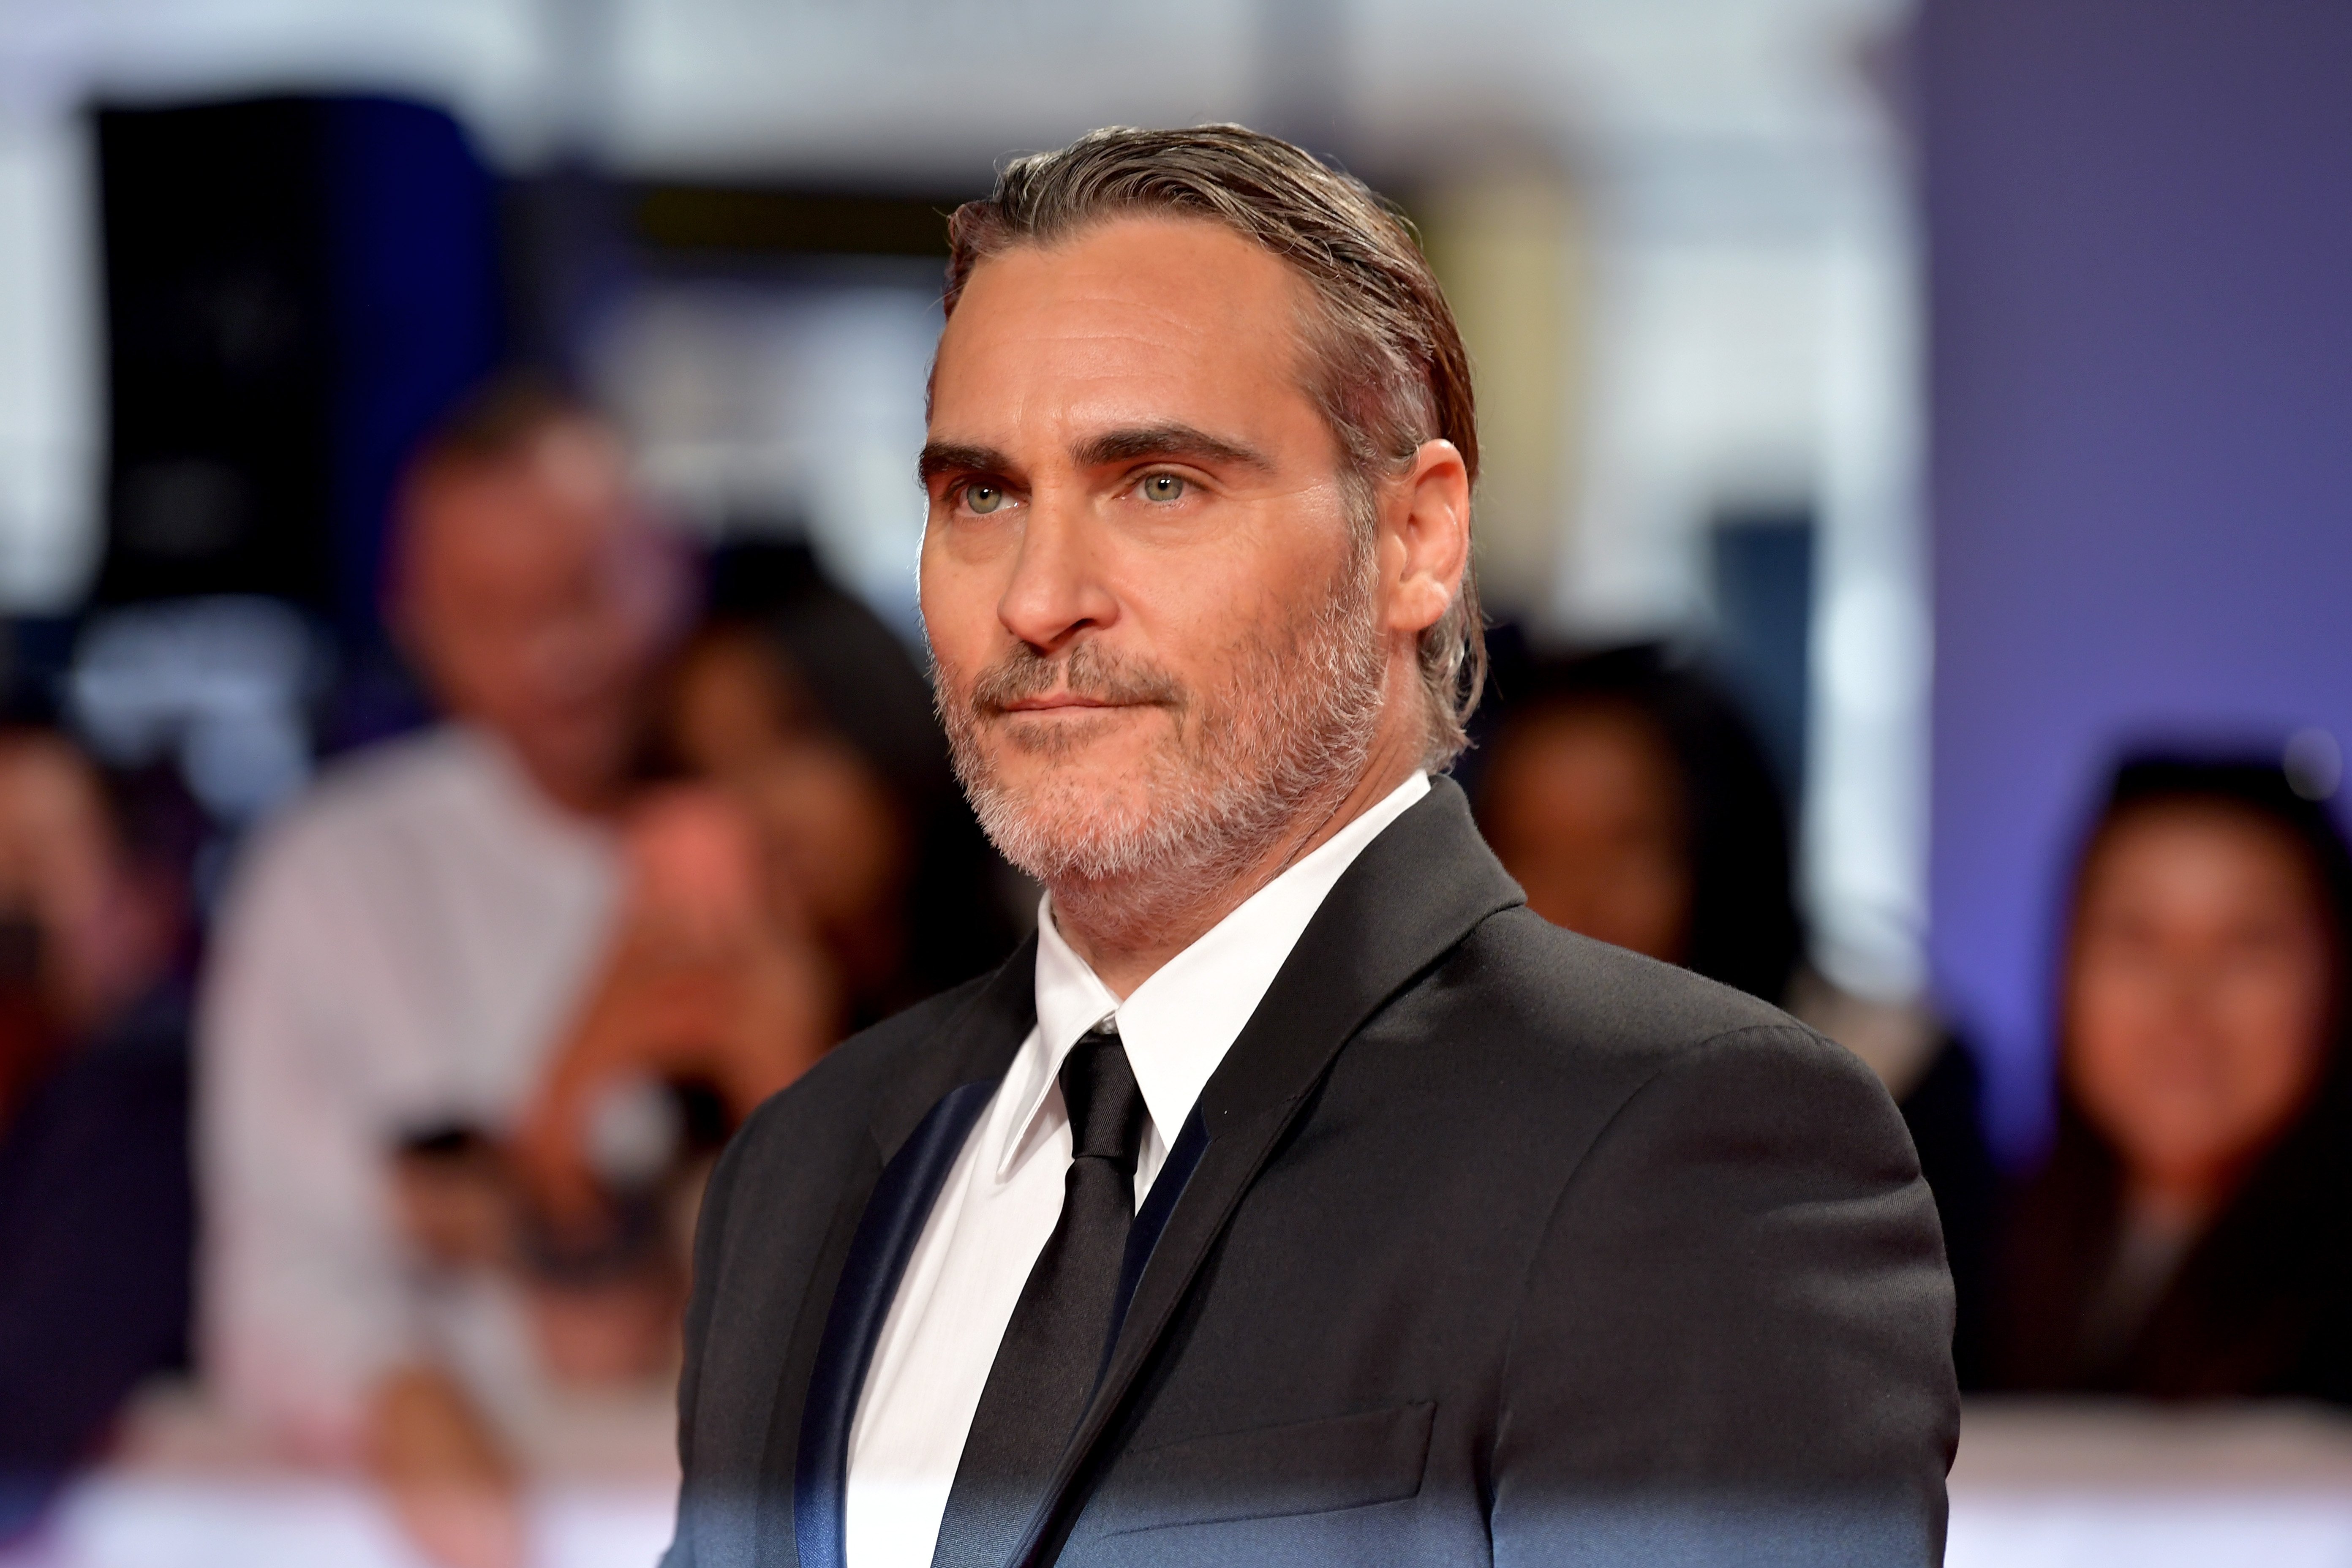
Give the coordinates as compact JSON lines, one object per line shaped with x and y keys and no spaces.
{"x":1486,"y":1244}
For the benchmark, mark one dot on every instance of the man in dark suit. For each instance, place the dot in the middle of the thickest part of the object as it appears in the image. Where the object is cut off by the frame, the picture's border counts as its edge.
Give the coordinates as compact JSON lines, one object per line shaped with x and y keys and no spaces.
{"x":1295,"y":1195}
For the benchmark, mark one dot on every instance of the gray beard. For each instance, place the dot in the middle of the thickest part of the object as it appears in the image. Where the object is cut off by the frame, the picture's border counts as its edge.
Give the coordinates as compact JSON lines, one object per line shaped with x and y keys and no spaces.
{"x":1290,"y":730}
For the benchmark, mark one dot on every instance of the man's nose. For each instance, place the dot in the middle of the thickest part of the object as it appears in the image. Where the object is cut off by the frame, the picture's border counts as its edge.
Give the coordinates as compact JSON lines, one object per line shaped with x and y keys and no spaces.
{"x":1057,"y":589}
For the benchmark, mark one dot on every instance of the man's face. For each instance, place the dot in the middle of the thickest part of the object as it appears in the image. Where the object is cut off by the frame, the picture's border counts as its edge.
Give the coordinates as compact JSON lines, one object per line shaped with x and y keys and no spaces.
{"x":1151,"y":609}
{"x":533,"y":598}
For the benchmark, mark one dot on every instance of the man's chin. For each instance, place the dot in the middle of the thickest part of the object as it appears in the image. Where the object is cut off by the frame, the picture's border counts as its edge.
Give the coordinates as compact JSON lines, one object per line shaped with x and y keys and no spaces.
{"x":1085,"y":817}
{"x":1087,"y":780}
{"x":1061,"y":736}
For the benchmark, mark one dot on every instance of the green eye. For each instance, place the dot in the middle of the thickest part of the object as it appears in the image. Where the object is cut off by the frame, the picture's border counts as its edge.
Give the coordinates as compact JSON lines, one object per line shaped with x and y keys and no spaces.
{"x":1163,"y":487}
{"x":983,"y":499}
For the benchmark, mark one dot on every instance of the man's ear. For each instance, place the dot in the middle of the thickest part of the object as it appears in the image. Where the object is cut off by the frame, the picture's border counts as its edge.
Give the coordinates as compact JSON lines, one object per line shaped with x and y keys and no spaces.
{"x":1426,"y":538}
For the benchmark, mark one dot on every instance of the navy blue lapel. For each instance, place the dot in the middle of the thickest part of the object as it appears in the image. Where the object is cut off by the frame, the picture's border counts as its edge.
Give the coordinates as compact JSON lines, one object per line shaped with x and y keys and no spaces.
{"x":876,"y":1222}
{"x":886,"y":1238}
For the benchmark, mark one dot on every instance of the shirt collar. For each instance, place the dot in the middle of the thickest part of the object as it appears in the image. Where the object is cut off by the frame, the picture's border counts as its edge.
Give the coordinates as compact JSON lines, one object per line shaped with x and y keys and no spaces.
{"x":1178,"y":1023}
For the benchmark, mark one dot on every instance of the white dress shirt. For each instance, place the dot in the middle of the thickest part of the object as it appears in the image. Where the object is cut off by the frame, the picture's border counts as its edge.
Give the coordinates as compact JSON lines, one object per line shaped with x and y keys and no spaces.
{"x":1003,"y":1196}
{"x":399,"y":952}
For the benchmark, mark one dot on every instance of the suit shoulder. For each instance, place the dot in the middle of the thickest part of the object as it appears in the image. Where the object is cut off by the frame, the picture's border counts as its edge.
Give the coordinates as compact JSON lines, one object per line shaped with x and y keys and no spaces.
{"x":367,"y":807}
{"x":1538,"y":988}
{"x":386,"y":781}
{"x":1517,"y":950}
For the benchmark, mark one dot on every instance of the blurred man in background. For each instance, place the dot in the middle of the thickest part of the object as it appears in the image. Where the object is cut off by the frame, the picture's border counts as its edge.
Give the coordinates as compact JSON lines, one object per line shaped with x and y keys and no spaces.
{"x":96,"y":1216}
{"x":451,"y":931}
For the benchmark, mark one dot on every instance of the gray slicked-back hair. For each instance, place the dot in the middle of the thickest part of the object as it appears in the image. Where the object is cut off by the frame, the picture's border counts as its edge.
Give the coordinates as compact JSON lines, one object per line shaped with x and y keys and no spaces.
{"x":1385,"y":361}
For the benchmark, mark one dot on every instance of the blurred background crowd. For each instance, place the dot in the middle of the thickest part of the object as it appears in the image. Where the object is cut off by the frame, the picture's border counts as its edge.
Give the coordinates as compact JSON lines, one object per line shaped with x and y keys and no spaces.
{"x":464,"y":736}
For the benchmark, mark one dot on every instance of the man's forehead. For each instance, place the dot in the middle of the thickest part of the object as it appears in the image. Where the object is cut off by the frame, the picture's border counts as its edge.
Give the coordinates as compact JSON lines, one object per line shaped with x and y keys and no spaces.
{"x":1161,"y":263}
{"x":1129,"y":324}
{"x":500,"y":519}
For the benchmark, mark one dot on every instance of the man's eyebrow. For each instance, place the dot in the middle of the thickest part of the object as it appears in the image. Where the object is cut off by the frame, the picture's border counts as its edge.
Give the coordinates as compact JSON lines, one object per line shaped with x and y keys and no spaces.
{"x":1172,"y":441}
{"x":953,"y":457}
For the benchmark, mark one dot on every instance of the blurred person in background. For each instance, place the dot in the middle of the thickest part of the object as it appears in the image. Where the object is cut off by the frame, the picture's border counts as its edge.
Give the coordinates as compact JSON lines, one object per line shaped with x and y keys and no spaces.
{"x":2189,"y":1234}
{"x":419,"y":961}
{"x":796,"y":695}
{"x":818,"y":820}
{"x":97,"y":1223}
{"x":1628,"y":797}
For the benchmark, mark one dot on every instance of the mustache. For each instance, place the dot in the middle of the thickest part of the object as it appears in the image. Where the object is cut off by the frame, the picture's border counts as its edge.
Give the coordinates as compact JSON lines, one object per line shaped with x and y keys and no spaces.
{"x":1087,"y":671}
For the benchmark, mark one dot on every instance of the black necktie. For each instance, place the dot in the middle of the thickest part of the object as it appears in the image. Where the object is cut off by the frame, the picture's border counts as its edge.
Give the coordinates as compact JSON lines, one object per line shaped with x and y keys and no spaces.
{"x":1052,"y":1348}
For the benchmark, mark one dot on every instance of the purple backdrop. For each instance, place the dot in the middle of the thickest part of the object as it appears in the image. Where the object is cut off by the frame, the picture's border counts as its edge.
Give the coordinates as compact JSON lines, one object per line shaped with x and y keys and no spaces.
{"x":2139,"y":217}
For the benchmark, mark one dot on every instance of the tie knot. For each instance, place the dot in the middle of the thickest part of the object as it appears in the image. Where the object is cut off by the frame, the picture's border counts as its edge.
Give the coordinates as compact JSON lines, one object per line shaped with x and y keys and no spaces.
{"x":1106,"y":1107}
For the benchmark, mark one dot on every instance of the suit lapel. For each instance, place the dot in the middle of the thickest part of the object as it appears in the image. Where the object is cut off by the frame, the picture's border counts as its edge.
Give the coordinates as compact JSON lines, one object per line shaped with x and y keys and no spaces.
{"x":918,"y":1126}
{"x":884,"y":1239}
{"x":1412,"y":894}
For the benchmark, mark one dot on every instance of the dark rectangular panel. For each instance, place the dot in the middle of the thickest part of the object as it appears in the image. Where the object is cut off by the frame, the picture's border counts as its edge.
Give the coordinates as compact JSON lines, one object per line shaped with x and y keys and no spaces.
{"x":218,"y":352}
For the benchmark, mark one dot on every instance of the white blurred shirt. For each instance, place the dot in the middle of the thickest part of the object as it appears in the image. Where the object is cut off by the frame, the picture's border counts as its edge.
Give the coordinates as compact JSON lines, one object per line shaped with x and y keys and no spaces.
{"x":399,"y":952}
{"x":1003,"y":1195}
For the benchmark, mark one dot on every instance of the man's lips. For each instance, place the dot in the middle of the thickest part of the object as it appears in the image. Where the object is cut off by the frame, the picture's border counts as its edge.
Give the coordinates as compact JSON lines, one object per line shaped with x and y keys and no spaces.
{"x":1061,"y":702}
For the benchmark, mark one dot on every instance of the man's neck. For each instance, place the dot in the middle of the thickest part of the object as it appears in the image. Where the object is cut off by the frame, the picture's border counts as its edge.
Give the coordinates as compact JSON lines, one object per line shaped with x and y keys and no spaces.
{"x":575,"y":793}
{"x":598,"y":800}
{"x":1126,"y":935}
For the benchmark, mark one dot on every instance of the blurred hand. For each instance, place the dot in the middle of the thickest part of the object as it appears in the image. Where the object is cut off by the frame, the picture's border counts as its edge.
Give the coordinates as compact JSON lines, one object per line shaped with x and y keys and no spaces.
{"x":607,"y":1334}
{"x":447,"y":1480}
{"x":705,"y":981}
{"x":456,"y":1207}
{"x":694,"y":866}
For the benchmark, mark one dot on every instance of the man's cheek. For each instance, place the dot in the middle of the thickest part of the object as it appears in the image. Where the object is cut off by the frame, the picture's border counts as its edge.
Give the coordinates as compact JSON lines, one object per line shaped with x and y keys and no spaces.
{"x":951,"y":665}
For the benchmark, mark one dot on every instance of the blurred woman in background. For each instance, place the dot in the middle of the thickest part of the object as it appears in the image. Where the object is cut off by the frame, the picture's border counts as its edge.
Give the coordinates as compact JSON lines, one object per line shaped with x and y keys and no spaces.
{"x":796,"y":698}
{"x":2188,"y":1236}
{"x":1628,"y":797}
